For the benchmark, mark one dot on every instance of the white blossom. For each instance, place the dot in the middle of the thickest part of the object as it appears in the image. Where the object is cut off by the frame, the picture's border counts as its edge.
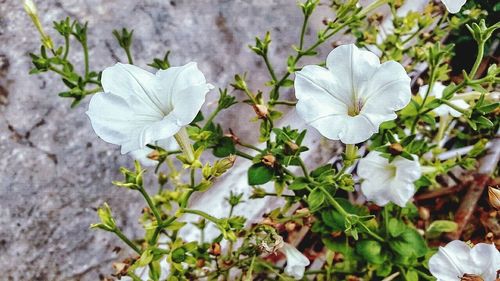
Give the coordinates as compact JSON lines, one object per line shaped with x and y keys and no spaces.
{"x":457,"y":258}
{"x":442,"y":110}
{"x":350,"y":98}
{"x":385,"y":182}
{"x":139,"y":108}
{"x":296,"y":262}
{"x":453,"y":6}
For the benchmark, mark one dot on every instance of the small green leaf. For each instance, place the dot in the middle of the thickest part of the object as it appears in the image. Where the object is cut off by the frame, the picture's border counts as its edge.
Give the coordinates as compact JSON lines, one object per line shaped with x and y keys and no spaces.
{"x":439,"y":226}
{"x":315,"y":199}
{"x":371,"y":251}
{"x":179,"y":255}
{"x":224,"y":147}
{"x":259,"y":174}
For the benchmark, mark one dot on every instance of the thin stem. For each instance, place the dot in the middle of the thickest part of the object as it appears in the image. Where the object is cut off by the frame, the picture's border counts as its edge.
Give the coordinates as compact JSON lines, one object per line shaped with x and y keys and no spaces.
{"x":303,"y":31}
{"x":386,"y":221}
{"x":283,"y":102}
{"x":66,"y":47}
{"x":250,"y":146}
{"x":243,"y":154}
{"x":269,"y":67}
{"x":151,"y":205}
{"x":129,"y":56}
{"x":127,"y":241}
{"x":201,"y":214}
{"x":479,"y":58}
{"x":86,"y":58}
{"x":211,"y":118}
{"x":304,"y":169}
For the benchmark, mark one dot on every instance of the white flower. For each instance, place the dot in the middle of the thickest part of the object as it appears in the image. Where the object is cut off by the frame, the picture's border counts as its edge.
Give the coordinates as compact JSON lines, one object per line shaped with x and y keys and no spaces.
{"x":139,"y":108}
{"x":296,"y":262}
{"x":442,"y":110}
{"x":385,"y":182}
{"x":453,"y":6}
{"x":457,"y":258}
{"x":350,"y":98}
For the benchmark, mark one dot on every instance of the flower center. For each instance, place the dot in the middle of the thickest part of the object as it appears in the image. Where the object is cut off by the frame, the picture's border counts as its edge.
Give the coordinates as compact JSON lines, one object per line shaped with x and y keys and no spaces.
{"x":355,"y":108}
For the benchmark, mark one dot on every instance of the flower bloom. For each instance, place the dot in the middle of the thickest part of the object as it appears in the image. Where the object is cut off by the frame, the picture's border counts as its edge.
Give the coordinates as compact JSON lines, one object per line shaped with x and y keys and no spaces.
{"x":453,"y":6}
{"x":443,"y":110}
{"x":349,"y":99}
{"x":139,"y":108}
{"x":457,"y":259}
{"x":385,"y":182}
{"x":296,"y":262}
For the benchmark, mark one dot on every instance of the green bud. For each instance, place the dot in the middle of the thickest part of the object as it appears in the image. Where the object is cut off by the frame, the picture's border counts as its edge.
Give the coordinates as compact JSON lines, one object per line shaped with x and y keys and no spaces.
{"x":258,"y":192}
{"x":107,"y":221}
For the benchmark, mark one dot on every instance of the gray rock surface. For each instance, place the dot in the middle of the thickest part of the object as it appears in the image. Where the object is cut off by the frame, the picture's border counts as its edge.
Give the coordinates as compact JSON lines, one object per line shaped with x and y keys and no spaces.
{"x":54,"y":171}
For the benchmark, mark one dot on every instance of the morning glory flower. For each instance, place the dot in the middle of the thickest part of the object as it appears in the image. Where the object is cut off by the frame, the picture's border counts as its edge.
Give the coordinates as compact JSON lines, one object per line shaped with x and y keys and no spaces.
{"x":349,"y":99}
{"x":457,"y":259}
{"x":453,"y":6}
{"x":139,"y":108}
{"x":443,"y":110}
{"x":296,"y":262}
{"x":385,"y":182}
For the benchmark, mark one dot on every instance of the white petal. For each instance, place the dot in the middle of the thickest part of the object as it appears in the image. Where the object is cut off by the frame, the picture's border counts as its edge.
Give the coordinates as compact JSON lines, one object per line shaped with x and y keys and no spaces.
{"x":352,"y":66}
{"x":451,"y":261}
{"x":188,"y":102}
{"x":180,"y":85}
{"x":453,"y":6}
{"x":137,"y":86}
{"x":437,"y":90}
{"x":296,"y":262}
{"x":400,"y":192}
{"x":486,"y":258}
{"x":387,"y":90}
{"x":113,"y":121}
{"x":376,"y":191}
{"x":406,"y":170}
{"x":165,"y":128}
{"x":357,"y":129}
{"x":373,"y":165}
{"x":318,"y":83}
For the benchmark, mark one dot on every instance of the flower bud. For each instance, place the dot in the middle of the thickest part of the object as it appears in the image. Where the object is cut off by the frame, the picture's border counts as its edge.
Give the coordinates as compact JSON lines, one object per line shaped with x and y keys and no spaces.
{"x":215,"y":249}
{"x":224,"y":164}
{"x":29,"y":7}
{"x":261,"y":111}
{"x":471,"y":277}
{"x":269,"y":160}
{"x":162,"y":178}
{"x":154,"y":155}
{"x":291,"y":148}
{"x":395,"y":149}
{"x":120,"y":269}
{"x":494,"y":197}
{"x":424,"y":213}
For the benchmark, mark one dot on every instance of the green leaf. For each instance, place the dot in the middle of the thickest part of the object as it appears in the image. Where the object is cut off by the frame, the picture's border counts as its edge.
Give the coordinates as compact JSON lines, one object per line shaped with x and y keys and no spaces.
{"x":371,"y":250}
{"x":315,"y":199}
{"x":439,"y":226}
{"x":224,"y":147}
{"x":396,"y":227}
{"x":179,"y":255}
{"x":410,"y":244}
{"x":298,"y":184}
{"x":259,"y":174}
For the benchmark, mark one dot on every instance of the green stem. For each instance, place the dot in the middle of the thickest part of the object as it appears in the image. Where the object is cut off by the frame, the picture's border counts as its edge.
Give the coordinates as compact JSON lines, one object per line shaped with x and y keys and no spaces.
{"x":66,"y":47}
{"x":151,"y":205}
{"x":479,"y":58}
{"x":243,"y":154}
{"x":461,"y":110}
{"x":304,"y":169}
{"x":269,"y":67}
{"x":303,"y":31}
{"x":283,"y":102}
{"x":127,"y":241}
{"x":250,"y":146}
{"x":86,"y":58}
{"x":201,"y":214}
{"x":129,"y":56}
{"x":211,"y":118}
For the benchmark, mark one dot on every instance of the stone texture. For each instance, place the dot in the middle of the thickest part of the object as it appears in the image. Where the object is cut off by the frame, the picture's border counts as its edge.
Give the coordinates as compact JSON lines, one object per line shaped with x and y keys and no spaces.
{"x":54,"y":171}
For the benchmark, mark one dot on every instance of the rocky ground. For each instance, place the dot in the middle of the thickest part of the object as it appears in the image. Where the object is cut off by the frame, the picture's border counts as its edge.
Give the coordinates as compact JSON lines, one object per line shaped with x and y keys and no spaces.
{"x":54,"y":171}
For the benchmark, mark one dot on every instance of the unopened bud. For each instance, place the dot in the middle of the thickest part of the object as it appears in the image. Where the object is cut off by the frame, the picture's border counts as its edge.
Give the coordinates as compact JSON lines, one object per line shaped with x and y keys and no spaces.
{"x":120,"y":268}
{"x":225,"y":164}
{"x":424,"y":213}
{"x":290,"y":226}
{"x":471,"y":277}
{"x":200,"y":263}
{"x":29,"y":7}
{"x":291,"y":148}
{"x":261,"y":111}
{"x":154,"y":155}
{"x":395,"y":149}
{"x":494,"y":197}
{"x":303,"y":211}
{"x":490,"y":238}
{"x":269,"y":160}
{"x":215,"y":249}
{"x":162,"y":178}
